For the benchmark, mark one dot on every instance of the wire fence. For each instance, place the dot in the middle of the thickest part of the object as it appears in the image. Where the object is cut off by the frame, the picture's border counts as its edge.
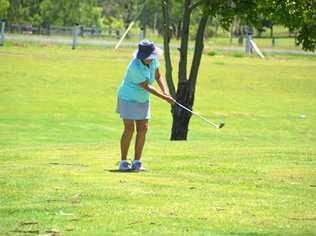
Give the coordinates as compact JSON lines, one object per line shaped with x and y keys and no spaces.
{"x":51,"y":30}
{"x":108,"y":37}
{"x":64,"y":34}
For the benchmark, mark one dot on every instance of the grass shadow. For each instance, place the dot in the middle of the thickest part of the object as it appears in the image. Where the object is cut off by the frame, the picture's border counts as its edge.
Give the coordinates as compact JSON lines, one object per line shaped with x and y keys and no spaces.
{"x":125,"y":172}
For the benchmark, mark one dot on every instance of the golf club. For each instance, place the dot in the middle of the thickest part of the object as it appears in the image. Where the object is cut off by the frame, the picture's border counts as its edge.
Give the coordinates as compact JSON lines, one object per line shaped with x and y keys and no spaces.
{"x":220,"y":125}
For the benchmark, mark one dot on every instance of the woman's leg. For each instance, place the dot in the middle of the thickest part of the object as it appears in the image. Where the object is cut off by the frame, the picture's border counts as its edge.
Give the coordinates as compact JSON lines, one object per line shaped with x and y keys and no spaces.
{"x":126,"y":137}
{"x":141,"y":129}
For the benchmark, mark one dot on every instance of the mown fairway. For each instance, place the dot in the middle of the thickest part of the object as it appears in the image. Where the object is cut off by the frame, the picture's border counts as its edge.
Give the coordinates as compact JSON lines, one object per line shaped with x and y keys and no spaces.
{"x":59,"y":141}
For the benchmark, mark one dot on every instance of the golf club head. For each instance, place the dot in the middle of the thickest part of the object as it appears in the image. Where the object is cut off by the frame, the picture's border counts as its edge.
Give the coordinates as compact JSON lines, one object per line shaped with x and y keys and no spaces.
{"x":221,"y":125}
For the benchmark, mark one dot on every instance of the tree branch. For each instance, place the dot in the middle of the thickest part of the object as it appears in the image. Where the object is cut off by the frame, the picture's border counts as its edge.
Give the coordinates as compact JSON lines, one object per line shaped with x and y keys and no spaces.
{"x":199,"y":45}
{"x":166,"y":39}
{"x":195,"y":5}
{"x":182,"y":73}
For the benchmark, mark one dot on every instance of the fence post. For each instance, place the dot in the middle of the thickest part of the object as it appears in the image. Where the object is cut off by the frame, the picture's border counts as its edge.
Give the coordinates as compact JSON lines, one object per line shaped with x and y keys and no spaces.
{"x":272,"y":35}
{"x":2,"y":32}
{"x":273,"y":41}
{"x":75,"y":32}
{"x":240,"y":39}
{"x":249,"y":38}
{"x":48,"y":29}
{"x":117,"y":34}
{"x":141,"y":34}
{"x":230,"y":35}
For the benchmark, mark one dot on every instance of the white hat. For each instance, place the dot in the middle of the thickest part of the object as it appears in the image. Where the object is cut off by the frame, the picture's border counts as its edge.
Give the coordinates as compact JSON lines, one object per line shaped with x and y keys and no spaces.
{"x":147,"y":50}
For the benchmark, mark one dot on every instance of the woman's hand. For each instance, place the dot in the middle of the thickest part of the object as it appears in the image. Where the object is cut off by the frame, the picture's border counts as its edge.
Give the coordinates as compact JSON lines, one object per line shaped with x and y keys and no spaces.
{"x":157,"y":93}
{"x":169,"y":99}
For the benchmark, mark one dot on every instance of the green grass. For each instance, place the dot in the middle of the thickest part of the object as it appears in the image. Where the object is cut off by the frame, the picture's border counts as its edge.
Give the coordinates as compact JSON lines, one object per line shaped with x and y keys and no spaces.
{"x":59,"y":141}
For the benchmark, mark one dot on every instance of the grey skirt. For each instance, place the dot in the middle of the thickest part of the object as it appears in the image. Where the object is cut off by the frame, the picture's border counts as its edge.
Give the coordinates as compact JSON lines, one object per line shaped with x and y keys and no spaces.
{"x":133,"y":110}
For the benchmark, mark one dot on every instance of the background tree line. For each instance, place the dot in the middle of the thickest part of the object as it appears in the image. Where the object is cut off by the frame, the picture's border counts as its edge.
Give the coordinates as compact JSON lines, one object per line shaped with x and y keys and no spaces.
{"x":119,"y":13}
{"x":44,"y":12}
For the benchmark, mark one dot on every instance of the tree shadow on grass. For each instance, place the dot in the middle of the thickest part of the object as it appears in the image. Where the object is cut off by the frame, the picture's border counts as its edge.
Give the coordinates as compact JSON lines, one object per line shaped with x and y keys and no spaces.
{"x":251,"y":234}
{"x":125,"y":172}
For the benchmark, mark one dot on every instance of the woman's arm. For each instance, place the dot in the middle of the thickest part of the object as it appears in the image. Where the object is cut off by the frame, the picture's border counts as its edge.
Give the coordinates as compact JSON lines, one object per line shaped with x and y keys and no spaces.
{"x":155,"y":92}
{"x":161,"y":83}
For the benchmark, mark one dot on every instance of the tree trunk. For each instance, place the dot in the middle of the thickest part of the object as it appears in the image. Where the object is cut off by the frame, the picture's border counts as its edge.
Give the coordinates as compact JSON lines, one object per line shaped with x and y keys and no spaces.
{"x":240,"y":34}
{"x":186,"y":87}
{"x":144,"y":20}
{"x":180,"y":116}
{"x":179,"y":29}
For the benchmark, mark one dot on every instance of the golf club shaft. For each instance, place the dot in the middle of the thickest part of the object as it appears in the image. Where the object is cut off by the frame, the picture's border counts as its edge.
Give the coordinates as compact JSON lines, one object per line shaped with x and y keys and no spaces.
{"x":130,"y":26}
{"x":194,"y":113}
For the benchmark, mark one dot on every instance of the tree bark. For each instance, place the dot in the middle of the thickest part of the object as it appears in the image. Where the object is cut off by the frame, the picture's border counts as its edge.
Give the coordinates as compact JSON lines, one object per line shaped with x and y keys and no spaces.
{"x":166,"y":36}
{"x":180,"y":116}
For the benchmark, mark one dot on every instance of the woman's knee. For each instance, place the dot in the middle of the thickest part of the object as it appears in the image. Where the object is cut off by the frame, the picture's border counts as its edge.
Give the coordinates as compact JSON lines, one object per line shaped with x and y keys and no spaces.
{"x":142,"y":128}
{"x":129,"y":128}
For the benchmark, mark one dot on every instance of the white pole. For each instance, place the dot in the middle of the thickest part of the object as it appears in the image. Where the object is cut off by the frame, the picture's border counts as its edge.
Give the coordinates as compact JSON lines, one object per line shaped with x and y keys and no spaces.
{"x":257,"y":50}
{"x":2,"y":33}
{"x":248,"y":41}
{"x":129,"y":27}
{"x":125,"y":33}
{"x":75,"y":32}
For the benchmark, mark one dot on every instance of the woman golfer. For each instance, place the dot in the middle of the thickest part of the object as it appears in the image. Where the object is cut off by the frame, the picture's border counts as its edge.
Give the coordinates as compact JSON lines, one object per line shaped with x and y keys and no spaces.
{"x":133,"y":100}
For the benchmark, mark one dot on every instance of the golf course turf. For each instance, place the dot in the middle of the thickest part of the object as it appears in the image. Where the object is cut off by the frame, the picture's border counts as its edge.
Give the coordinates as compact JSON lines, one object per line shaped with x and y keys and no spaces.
{"x":59,"y":148}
